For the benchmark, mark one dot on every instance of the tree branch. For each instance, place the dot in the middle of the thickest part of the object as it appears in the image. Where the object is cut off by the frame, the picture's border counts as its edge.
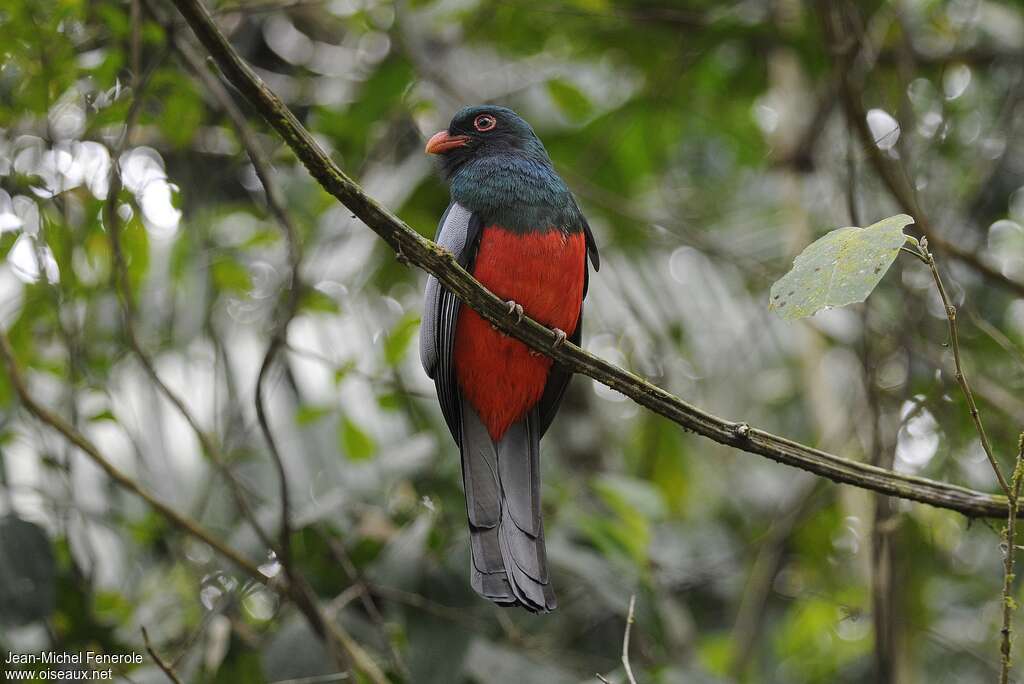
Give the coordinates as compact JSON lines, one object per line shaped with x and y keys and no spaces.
{"x":430,"y":257}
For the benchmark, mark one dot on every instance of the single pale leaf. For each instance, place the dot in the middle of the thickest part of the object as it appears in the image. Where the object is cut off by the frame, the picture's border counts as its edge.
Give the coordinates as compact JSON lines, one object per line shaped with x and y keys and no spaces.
{"x":841,"y":268}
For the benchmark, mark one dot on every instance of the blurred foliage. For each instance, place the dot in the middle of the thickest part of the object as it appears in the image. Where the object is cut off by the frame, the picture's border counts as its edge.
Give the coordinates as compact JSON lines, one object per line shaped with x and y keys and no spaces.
{"x":690,"y":132}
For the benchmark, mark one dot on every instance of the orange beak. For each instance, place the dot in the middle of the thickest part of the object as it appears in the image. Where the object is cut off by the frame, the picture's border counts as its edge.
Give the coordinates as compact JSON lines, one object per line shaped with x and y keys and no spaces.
{"x":441,"y":142}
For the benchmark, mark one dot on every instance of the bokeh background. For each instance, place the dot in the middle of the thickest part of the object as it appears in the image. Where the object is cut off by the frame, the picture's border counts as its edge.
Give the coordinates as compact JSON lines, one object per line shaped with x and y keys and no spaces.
{"x":708,"y":143}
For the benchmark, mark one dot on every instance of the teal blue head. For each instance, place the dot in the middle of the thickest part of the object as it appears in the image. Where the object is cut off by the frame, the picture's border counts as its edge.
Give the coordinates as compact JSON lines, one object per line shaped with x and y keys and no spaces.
{"x":497,"y":168}
{"x":484,"y":132}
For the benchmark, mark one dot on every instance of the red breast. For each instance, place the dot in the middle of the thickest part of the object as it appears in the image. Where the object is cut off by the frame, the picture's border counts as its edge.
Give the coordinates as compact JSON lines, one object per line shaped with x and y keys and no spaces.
{"x":543,"y":271}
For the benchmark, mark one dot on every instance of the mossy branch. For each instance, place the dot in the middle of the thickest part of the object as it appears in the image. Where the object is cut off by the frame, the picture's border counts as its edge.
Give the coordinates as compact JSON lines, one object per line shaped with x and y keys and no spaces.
{"x":412,"y":247}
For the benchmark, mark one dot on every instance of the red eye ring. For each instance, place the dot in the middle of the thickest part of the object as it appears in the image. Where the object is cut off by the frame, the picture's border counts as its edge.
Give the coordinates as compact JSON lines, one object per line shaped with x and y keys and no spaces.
{"x":484,"y":123}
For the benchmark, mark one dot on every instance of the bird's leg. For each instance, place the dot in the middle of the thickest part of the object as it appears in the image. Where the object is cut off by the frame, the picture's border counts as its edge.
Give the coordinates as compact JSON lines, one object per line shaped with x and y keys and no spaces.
{"x":516,"y":309}
{"x":513,"y":308}
{"x":400,"y":256}
{"x":560,"y":338}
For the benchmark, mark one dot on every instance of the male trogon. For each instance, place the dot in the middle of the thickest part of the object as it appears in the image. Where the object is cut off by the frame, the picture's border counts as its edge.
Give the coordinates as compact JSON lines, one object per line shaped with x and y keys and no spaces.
{"x":513,"y":223}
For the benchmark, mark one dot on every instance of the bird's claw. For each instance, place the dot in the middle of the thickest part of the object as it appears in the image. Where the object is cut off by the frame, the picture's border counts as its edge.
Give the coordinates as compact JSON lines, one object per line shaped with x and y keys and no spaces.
{"x":560,"y":338}
{"x":516,"y":309}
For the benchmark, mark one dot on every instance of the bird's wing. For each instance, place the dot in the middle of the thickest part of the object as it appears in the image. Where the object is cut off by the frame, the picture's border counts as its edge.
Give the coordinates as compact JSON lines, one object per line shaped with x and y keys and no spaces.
{"x":558,"y":381}
{"x":459,"y":233}
{"x":595,"y":258}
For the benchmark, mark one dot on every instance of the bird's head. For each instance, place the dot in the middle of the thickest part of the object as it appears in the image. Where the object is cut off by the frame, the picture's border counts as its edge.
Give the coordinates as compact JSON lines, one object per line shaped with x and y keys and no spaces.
{"x":484,"y":131}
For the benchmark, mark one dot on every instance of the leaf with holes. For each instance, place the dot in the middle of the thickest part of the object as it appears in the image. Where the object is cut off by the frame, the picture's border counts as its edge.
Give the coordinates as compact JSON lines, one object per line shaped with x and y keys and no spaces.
{"x":841,"y":268}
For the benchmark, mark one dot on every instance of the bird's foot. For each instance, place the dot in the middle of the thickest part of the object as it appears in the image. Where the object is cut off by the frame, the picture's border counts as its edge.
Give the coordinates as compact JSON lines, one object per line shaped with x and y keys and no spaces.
{"x":560,"y":338}
{"x":516,"y":309}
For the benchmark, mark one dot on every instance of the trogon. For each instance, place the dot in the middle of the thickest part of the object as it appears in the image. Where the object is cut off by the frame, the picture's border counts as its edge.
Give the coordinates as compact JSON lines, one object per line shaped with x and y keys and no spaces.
{"x":513,"y":223}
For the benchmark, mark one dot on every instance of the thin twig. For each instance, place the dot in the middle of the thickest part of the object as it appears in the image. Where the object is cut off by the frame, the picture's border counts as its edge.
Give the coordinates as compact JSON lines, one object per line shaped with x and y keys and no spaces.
{"x":1009,"y":557}
{"x":961,"y":377}
{"x":167,"y":669}
{"x":625,"y":641}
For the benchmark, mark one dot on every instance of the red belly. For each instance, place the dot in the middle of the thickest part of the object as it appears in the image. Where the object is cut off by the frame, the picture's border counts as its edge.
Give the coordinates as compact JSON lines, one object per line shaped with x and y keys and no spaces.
{"x":544,"y":273}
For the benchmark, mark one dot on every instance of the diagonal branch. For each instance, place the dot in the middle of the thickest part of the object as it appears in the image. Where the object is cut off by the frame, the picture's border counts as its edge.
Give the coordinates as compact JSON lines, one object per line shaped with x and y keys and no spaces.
{"x":437,"y":261}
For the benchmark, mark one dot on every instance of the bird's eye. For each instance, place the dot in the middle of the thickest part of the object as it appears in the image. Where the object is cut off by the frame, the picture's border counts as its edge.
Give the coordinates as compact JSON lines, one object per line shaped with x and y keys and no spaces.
{"x":484,"y":123}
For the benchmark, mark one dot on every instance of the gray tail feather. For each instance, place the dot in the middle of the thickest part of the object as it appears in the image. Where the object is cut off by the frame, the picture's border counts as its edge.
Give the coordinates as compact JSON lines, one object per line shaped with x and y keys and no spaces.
{"x":502,"y":480}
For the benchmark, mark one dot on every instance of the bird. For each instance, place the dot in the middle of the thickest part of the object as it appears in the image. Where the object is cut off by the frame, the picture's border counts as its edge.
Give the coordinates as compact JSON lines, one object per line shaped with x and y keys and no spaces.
{"x":514,"y":224}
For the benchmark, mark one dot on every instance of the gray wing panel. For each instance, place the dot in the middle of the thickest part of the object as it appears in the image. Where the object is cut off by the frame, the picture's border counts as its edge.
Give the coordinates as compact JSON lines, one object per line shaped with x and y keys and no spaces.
{"x":458,"y":232}
{"x":452,"y":234}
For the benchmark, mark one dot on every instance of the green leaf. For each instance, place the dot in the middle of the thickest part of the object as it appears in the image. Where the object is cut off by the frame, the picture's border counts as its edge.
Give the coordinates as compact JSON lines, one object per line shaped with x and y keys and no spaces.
{"x":389,"y":401}
{"x":398,"y":340}
{"x":307,"y":415}
{"x":230,"y":275}
{"x":105,"y":414}
{"x":315,"y":300}
{"x":357,"y":444}
{"x":111,"y":606}
{"x":570,"y":99}
{"x":841,"y":268}
{"x":27,"y":572}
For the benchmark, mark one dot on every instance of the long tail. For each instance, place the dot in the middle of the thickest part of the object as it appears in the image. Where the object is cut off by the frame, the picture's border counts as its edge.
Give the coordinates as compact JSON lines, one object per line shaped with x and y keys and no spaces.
{"x":503,"y":500}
